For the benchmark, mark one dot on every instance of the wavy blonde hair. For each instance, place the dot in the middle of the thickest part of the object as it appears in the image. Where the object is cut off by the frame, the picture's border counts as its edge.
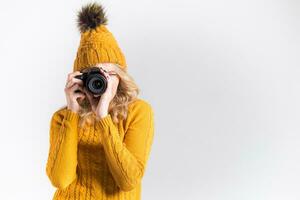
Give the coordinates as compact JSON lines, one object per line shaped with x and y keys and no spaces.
{"x":127,"y":92}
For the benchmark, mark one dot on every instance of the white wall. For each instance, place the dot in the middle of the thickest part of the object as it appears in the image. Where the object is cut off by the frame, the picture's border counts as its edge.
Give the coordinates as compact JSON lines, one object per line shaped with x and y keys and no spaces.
{"x":222,"y":76}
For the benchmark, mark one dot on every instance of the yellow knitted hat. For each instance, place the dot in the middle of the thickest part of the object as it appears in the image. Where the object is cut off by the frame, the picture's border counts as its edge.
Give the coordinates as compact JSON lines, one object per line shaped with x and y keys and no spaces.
{"x":97,"y":43}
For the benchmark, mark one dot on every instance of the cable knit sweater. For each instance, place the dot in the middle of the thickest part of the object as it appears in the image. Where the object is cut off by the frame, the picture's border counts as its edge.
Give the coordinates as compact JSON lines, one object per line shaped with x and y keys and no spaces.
{"x":100,"y":161}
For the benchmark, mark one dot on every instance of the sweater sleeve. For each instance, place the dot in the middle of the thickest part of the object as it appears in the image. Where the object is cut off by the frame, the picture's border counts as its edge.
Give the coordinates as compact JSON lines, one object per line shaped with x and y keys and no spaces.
{"x":127,"y":159}
{"x":62,"y":157}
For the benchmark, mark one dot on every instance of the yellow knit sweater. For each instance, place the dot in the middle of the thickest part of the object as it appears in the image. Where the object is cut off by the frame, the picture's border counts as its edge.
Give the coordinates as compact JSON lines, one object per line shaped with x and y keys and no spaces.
{"x":100,"y":161}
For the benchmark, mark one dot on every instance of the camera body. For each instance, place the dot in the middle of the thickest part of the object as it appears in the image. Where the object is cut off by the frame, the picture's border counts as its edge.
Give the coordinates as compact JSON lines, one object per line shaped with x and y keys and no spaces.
{"x":93,"y":80}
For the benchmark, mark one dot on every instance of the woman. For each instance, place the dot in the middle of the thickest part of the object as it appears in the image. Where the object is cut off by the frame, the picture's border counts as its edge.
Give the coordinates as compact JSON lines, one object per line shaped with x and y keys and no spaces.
{"x":99,"y":145}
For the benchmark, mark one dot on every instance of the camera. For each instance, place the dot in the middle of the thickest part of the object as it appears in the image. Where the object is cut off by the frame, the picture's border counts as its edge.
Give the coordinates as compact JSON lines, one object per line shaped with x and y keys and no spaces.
{"x":93,"y":80}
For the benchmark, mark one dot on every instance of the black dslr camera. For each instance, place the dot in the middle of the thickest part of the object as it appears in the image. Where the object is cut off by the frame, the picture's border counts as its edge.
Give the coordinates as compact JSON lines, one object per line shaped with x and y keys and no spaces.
{"x":93,"y":79}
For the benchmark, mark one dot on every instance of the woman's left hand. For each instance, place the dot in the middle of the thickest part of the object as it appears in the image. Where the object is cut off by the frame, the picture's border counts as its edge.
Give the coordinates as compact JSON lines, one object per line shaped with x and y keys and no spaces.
{"x":106,"y":97}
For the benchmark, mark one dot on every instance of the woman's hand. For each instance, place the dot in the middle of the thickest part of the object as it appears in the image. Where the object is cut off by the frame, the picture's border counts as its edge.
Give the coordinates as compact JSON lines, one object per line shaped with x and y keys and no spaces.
{"x":105,"y":98}
{"x":109,"y":93}
{"x":72,"y":85}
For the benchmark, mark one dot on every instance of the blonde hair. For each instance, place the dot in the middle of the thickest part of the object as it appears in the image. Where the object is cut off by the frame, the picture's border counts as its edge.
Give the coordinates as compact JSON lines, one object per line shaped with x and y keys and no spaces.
{"x":127,"y":92}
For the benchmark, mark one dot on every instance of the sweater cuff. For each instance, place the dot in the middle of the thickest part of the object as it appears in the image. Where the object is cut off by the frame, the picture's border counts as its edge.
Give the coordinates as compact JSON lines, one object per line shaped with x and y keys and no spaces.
{"x":71,"y":116}
{"x":105,"y":122}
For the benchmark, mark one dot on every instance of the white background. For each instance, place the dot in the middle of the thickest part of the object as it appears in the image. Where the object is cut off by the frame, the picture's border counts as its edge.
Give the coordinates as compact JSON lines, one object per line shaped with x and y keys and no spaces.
{"x":222,"y":77}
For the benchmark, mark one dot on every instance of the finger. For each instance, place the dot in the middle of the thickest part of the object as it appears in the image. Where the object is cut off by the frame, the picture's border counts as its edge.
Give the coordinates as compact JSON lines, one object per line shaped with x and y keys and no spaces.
{"x":75,"y":87}
{"x":104,"y":71}
{"x":73,"y":74}
{"x":106,"y":74}
{"x":77,"y":81}
{"x":71,"y":82}
{"x":71,"y":88}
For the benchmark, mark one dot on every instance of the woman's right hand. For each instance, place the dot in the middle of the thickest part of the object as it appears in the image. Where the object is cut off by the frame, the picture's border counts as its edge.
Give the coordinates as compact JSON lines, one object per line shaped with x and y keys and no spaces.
{"x":72,"y":85}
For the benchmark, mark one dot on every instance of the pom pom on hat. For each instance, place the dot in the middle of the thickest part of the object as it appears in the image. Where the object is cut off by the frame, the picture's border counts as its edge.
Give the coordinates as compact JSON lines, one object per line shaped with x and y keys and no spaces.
{"x":90,"y":16}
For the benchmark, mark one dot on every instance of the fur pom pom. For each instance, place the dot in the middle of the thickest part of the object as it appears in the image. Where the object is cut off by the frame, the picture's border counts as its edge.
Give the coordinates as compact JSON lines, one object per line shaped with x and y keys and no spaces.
{"x":90,"y":16}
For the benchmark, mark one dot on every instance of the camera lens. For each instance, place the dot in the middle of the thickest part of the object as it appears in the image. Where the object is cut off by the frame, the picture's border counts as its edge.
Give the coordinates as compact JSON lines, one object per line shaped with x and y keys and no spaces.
{"x":97,"y":84}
